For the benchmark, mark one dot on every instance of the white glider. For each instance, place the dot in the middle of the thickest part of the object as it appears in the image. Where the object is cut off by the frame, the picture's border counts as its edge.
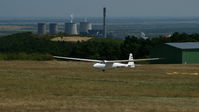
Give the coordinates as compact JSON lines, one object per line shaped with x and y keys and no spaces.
{"x":109,"y":64}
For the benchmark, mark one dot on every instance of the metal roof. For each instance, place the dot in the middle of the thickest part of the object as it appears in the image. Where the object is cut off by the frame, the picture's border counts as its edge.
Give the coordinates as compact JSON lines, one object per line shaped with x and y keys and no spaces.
{"x":185,"y":45}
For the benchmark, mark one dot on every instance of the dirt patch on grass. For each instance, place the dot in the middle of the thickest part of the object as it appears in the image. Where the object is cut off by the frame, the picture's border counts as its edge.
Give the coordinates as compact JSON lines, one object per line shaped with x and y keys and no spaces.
{"x":71,"y":39}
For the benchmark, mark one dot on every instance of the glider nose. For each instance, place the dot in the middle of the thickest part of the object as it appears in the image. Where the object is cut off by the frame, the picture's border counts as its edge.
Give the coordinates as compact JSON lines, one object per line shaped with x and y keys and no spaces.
{"x":99,"y":66}
{"x":95,"y":66}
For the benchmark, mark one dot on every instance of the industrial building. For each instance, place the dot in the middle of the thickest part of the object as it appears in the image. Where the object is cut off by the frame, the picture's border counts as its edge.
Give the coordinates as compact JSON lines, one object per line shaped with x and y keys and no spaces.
{"x":41,"y":28}
{"x":53,"y":29}
{"x":96,"y":33}
{"x":71,"y":28}
{"x":177,"y":53}
{"x":104,"y":22}
{"x":85,"y":27}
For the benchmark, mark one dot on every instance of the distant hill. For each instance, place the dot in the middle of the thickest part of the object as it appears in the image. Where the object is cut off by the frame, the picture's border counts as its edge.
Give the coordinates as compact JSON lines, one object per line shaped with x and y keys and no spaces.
{"x":40,"y":47}
{"x":28,"y":46}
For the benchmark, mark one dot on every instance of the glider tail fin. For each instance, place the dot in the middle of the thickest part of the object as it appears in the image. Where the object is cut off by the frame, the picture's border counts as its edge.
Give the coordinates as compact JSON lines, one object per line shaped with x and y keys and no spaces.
{"x":131,"y":64}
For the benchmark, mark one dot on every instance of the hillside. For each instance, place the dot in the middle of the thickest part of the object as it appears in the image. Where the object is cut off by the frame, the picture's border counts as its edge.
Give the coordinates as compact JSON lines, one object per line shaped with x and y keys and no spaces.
{"x":82,"y":47}
{"x":22,"y":45}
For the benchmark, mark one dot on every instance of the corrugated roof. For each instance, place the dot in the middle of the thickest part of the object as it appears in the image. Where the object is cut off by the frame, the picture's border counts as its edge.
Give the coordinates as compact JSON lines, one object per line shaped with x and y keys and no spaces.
{"x":185,"y":45}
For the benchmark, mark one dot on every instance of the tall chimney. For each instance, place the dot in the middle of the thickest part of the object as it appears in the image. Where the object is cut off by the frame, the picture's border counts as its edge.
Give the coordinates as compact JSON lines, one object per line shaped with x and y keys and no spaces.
{"x":104,"y":22}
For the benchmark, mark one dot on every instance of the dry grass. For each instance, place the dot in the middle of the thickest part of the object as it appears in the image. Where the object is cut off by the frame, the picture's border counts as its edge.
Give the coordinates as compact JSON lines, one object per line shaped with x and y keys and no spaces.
{"x":48,"y":86}
{"x":3,"y":27}
{"x":71,"y":39}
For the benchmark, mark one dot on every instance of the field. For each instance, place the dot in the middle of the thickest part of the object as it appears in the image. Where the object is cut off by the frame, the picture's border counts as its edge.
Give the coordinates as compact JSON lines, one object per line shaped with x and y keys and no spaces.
{"x":71,"y":39}
{"x":58,"y":86}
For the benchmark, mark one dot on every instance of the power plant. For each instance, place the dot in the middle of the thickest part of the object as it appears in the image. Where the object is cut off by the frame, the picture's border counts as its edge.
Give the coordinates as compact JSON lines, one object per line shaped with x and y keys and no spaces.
{"x":71,"y":28}
{"x":41,"y":28}
{"x":53,"y":29}
{"x":85,"y":27}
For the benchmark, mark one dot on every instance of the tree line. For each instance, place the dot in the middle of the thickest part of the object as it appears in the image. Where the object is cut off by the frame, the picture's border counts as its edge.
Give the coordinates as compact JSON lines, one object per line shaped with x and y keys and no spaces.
{"x":28,"y":46}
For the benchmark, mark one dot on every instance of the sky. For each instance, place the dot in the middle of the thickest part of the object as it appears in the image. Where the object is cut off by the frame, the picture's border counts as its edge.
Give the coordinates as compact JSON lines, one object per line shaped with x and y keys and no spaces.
{"x":93,"y":8}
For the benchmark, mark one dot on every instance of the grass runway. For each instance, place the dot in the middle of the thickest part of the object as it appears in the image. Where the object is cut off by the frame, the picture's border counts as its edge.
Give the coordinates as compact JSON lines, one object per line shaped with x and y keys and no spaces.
{"x":58,"y":86}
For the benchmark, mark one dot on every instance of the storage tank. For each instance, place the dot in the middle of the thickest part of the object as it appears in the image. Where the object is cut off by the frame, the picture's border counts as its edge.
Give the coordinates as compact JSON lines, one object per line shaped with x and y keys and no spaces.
{"x":71,"y":28}
{"x":53,"y":28}
{"x":41,"y":28}
{"x":85,"y":27}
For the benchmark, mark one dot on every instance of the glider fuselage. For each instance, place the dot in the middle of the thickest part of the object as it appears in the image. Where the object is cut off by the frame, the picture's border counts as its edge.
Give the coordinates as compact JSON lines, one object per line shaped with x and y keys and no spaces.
{"x":105,"y":66}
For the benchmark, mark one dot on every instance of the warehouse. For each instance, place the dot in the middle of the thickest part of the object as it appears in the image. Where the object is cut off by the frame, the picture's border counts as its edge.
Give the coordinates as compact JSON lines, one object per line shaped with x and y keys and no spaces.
{"x":177,"y":53}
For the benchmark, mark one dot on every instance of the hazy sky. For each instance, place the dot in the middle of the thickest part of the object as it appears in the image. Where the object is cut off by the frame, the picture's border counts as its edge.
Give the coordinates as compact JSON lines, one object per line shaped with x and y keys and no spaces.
{"x":93,"y":8}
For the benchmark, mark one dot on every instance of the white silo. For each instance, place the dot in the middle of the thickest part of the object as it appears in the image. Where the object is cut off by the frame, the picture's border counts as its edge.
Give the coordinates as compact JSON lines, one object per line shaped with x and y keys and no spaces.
{"x":53,"y":28}
{"x":41,"y":28}
{"x":71,"y":28}
{"x":85,"y":27}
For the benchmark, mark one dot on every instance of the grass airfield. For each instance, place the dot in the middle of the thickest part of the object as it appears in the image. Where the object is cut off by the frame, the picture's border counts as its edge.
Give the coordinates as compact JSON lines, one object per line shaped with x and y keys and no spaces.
{"x":58,"y":86}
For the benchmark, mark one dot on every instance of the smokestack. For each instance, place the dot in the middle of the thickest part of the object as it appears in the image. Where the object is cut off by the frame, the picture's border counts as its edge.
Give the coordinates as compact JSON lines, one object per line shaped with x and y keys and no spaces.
{"x":104,"y":22}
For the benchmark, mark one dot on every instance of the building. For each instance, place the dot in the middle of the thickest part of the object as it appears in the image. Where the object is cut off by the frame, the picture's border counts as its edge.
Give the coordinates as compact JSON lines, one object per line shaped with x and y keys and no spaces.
{"x":95,"y":33}
{"x":85,"y":27}
{"x":142,"y":35}
{"x":41,"y":28}
{"x":177,"y":53}
{"x":53,"y":28}
{"x":71,"y":28}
